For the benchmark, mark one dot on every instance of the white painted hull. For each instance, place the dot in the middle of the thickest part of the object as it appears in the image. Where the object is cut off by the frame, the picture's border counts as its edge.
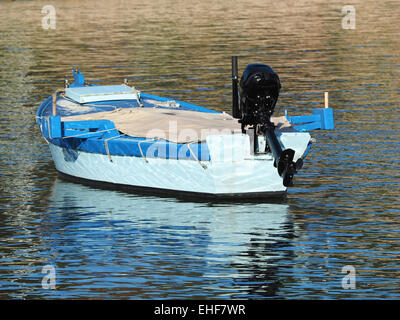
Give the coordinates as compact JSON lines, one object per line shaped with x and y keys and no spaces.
{"x":237,"y":175}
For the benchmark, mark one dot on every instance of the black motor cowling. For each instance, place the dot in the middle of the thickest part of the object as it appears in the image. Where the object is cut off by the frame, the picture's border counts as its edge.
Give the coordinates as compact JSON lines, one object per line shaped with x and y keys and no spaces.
{"x":259,"y":92}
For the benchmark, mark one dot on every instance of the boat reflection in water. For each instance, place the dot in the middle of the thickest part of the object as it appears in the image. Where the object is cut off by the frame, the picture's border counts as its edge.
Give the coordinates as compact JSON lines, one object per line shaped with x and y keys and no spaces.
{"x":110,"y":244}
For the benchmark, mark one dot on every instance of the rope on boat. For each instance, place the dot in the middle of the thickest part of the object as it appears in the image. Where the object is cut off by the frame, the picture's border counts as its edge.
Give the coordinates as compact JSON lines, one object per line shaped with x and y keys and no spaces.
{"x":41,"y":129}
{"x":194,"y":155}
{"x":140,"y":148}
{"x":188,"y":145}
{"x":55,"y":99}
{"x":106,"y":145}
{"x":137,"y":97}
{"x":136,"y":92}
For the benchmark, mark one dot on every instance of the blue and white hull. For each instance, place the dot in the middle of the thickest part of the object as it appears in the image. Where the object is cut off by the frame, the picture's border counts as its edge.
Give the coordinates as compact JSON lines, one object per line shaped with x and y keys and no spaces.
{"x":245,"y":175}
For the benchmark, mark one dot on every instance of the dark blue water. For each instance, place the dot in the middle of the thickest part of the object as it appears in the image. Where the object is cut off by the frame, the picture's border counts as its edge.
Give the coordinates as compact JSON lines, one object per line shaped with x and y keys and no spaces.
{"x":343,"y":210}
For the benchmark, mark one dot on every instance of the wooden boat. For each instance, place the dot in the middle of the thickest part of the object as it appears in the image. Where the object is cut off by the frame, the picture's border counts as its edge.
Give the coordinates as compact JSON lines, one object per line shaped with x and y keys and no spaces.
{"x":117,"y":136}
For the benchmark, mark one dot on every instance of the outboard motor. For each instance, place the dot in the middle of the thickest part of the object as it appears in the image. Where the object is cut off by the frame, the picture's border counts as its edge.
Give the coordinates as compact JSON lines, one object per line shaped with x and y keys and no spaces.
{"x":259,"y":92}
{"x":253,"y":105}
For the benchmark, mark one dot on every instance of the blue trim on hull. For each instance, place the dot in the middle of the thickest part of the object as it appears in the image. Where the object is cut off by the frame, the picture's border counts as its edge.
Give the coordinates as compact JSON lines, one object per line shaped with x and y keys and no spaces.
{"x":129,"y":146}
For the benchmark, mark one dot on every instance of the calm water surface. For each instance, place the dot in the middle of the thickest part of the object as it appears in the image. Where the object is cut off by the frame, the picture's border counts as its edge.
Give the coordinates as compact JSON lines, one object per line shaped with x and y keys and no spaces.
{"x":343,"y":210}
